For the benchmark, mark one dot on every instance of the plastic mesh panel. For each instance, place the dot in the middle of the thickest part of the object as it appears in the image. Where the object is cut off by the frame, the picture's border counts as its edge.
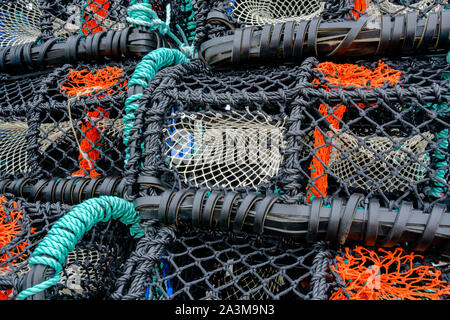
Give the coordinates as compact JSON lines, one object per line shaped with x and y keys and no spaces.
{"x":257,"y":12}
{"x":209,"y":266}
{"x":225,"y":150}
{"x":73,"y":124}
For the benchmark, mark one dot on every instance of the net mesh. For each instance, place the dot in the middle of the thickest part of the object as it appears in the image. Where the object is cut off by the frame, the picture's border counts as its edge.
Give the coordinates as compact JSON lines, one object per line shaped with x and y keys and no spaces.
{"x":260,"y":12}
{"x":203,"y":265}
{"x":225,"y":150}
{"x":22,"y":226}
{"x":68,"y":123}
{"x":377,"y":128}
{"x":388,"y":275}
{"x":19,"y":22}
{"x":393,"y":158}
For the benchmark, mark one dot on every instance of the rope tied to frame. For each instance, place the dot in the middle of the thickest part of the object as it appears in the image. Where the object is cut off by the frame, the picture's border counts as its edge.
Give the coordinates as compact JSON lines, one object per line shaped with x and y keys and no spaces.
{"x":143,"y":15}
{"x":68,"y":230}
{"x":142,"y":75}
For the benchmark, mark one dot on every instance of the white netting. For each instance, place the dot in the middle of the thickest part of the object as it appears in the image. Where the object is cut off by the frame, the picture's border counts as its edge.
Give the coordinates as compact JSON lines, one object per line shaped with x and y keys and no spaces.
{"x":20,"y":22}
{"x":393,"y":162}
{"x":13,"y":142}
{"x":260,"y":12}
{"x":225,"y":150}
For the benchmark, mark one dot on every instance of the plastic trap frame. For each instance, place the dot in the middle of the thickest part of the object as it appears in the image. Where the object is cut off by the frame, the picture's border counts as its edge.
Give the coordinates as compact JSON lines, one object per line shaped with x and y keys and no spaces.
{"x":223,"y":18}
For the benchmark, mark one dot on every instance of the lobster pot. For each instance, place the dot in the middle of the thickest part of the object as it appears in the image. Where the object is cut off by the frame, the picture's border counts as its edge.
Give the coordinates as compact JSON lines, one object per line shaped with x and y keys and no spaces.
{"x":202,"y":265}
{"x":389,"y":142}
{"x":217,"y":130}
{"x":89,"y":269}
{"x":72,"y":126}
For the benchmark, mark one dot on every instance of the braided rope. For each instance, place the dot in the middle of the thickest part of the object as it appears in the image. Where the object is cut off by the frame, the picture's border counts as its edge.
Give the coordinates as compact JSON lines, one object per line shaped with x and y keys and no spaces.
{"x":62,"y":238}
{"x":143,"y":15}
{"x":142,"y":75}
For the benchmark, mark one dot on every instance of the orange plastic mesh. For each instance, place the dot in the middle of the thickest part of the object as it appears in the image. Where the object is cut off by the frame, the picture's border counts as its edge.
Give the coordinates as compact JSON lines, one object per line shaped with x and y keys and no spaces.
{"x":360,"y":7}
{"x":98,"y":9}
{"x":387,"y":275}
{"x":85,"y":82}
{"x":5,"y":294}
{"x":9,"y":229}
{"x":342,"y":75}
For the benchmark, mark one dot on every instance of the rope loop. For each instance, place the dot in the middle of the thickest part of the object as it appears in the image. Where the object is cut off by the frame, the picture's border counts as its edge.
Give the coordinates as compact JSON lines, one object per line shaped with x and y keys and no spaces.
{"x":64,"y":235}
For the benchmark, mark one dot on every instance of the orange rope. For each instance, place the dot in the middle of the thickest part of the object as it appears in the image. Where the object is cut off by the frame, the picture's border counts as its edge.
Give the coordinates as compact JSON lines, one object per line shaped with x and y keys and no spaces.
{"x":85,"y":82}
{"x":342,"y":75}
{"x":387,"y":275}
{"x":9,"y":229}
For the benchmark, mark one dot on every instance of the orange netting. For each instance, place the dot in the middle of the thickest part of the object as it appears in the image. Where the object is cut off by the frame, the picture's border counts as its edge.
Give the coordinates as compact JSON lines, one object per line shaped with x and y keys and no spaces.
{"x":85,"y":82}
{"x":387,"y":275}
{"x":360,"y":8}
{"x":98,"y":10}
{"x":9,"y":229}
{"x":342,"y":75}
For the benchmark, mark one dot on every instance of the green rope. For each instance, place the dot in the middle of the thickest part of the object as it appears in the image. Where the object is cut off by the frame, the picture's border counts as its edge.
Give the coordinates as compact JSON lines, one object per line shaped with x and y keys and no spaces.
{"x":142,"y":75}
{"x":143,"y":15}
{"x":191,"y":26}
{"x":64,"y":235}
{"x":439,"y":188}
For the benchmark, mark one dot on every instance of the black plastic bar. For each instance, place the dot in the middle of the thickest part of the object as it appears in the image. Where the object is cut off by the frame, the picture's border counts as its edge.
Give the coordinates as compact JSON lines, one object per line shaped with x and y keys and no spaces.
{"x":351,"y":219}
{"x":129,"y":42}
{"x":405,"y":35}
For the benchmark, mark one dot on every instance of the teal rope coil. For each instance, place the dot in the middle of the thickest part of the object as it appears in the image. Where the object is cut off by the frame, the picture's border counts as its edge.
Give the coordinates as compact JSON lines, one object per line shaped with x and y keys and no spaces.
{"x":142,"y":75}
{"x":64,"y":235}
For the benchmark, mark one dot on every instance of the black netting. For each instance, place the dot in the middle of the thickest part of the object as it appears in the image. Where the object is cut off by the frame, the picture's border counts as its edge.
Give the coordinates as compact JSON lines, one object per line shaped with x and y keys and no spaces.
{"x":28,"y":21}
{"x":225,"y":16}
{"x":74,"y":121}
{"x":203,"y":265}
{"x":391,"y":142}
